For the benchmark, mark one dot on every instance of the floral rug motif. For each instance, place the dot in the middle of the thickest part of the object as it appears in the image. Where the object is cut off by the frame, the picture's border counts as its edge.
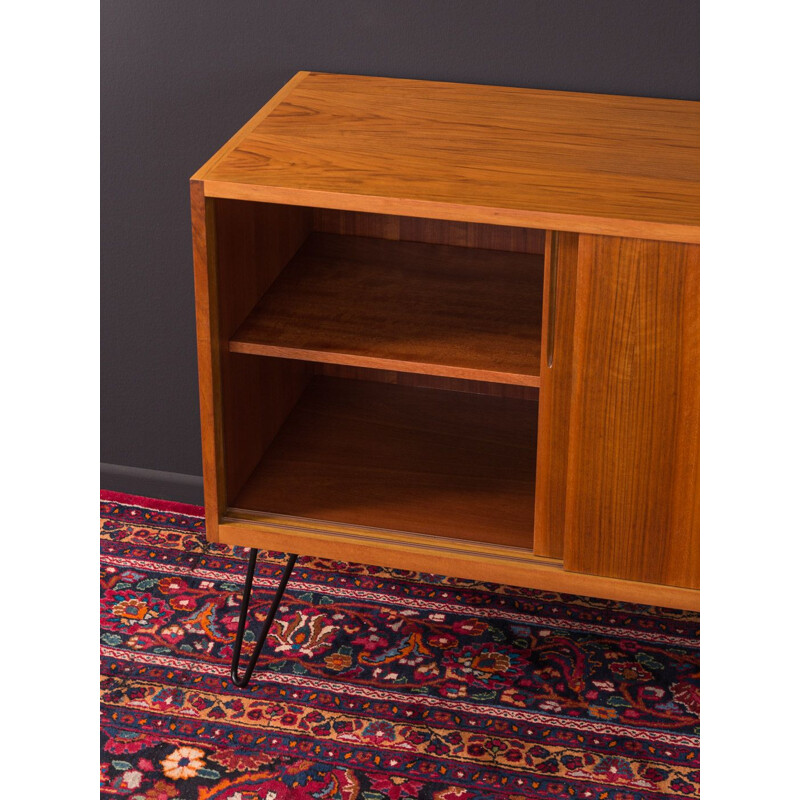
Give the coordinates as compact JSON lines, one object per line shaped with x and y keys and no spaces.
{"x":378,"y":684}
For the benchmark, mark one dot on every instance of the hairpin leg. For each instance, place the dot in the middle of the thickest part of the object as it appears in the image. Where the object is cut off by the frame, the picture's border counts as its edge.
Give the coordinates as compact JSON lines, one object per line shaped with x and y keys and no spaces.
{"x":276,"y":601}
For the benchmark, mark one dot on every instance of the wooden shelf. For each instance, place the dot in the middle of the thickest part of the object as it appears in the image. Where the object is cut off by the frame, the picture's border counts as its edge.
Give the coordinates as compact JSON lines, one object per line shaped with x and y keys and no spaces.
{"x":435,"y":309}
{"x":442,"y":463}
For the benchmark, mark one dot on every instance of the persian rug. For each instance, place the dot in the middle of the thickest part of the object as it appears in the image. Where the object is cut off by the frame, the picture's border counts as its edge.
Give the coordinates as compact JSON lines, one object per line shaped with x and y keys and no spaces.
{"x":378,"y":684}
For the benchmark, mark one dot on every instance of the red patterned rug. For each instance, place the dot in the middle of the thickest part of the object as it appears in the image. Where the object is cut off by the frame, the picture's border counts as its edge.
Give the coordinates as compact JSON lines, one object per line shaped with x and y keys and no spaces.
{"x":378,"y":684}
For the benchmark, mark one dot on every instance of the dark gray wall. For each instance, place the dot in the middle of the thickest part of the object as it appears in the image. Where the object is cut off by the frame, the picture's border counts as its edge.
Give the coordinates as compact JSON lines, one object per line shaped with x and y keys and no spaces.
{"x":179,"y":78}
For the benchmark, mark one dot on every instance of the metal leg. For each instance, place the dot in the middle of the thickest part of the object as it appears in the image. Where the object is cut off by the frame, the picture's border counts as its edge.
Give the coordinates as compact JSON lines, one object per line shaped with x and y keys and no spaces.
{"x":276,"y":601}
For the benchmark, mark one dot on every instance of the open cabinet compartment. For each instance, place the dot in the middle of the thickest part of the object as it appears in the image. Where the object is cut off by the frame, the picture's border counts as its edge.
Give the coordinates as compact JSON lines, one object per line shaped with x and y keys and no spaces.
{"x":379,"y":371}
{"x":453,"y":464}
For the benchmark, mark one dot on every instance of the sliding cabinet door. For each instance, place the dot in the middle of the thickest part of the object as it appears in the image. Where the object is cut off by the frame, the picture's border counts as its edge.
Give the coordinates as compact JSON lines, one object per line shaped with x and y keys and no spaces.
{"x":632,"y":476}
{"x":558,"y":320}
{"x":617,"y":490}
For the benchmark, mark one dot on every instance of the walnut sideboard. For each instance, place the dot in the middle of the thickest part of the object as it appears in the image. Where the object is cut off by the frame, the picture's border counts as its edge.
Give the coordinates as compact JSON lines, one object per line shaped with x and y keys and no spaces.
{"x":455,"y":328}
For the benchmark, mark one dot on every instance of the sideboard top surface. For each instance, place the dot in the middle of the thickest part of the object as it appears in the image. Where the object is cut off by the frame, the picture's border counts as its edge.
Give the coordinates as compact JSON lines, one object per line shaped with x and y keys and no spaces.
{"x":608,"y":164}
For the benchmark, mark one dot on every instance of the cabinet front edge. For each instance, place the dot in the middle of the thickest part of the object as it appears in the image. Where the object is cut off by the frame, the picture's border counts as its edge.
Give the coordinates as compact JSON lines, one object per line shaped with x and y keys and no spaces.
{"x":529,"y":571}
{"x":429,"y":209}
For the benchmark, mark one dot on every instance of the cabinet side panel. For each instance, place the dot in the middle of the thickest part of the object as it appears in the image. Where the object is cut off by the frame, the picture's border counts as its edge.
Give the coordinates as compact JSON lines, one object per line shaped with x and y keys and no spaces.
{"x":254,"y":242}
{"x":258,"y":395}
{"x":558,"y":320}
{"x":208,"y":366}
{"x":632,"y":507}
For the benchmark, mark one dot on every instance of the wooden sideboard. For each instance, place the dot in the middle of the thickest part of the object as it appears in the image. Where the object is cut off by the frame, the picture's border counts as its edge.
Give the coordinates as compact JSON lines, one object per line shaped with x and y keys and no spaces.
{"x":455,"y":328}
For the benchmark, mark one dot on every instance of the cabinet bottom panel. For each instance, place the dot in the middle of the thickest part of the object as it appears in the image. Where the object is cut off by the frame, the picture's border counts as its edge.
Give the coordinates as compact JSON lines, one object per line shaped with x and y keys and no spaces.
{"x":427,"y":461}
{"x":470,"y":560}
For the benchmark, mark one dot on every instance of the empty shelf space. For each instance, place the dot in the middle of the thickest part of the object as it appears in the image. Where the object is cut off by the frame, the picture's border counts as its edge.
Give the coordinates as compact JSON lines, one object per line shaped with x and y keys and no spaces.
{"x":428,"y":461}
{"x":408,"y":306}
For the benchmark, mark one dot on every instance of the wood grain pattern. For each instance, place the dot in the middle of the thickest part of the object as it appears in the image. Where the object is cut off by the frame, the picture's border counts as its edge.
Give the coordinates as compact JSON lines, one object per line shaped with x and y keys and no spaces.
{"x":555,"y":395}
{"x":208,"y":354}
{"x":513,"y":567}
{"x":452,"y":311}
{"x":430,"y":231}
{"x":449,"y":464}
{"x":632,"y":508}
{"x":242,"y":133}
{"x":624,"y":166}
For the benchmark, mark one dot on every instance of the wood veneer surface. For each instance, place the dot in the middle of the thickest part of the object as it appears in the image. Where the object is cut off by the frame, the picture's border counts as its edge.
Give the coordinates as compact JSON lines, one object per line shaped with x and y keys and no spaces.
{"x":204,"y":248}
{"x":452,"y":311}
{"x":632,"y":501}
{"x":449,"y":464}
{"x":556,"y":394}
{"x":513,"y":567}
{"x":607,"y":164}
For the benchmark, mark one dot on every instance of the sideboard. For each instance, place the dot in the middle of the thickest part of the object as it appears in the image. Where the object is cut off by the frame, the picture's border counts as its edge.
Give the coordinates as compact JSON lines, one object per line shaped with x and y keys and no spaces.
{"x":455,"y":328}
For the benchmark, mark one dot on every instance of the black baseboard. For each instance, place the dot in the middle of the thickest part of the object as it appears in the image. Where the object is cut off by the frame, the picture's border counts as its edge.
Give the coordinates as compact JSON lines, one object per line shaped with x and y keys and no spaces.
{"x":152,"y":483}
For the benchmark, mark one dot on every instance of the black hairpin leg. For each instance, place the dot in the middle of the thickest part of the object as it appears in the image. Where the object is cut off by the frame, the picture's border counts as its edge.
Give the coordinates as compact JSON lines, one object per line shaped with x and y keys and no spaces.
{"x":276,"y":601}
